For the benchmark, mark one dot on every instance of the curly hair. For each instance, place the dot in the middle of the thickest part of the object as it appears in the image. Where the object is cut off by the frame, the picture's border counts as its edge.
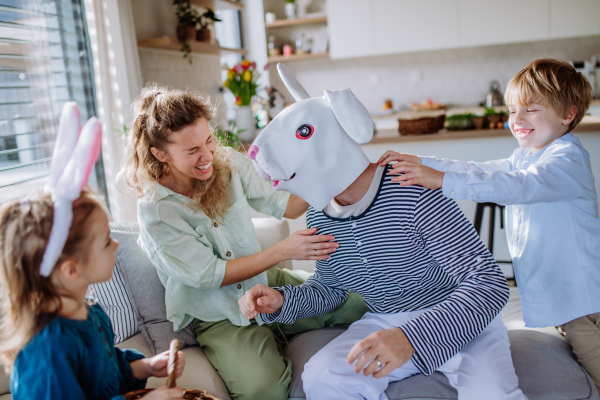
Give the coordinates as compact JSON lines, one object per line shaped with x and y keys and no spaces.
{"x":157,"y":113}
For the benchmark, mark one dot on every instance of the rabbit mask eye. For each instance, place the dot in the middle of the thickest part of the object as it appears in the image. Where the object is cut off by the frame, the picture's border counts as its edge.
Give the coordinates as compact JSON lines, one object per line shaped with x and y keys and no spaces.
{"x":304,"y":132}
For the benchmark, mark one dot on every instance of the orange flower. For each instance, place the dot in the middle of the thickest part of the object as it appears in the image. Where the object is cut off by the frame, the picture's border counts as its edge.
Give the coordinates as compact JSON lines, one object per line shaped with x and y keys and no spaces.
{"x":238,"y":101}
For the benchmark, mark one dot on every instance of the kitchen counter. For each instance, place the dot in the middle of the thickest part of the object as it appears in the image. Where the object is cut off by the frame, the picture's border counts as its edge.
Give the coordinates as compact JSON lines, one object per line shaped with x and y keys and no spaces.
{"x":388,"y":133}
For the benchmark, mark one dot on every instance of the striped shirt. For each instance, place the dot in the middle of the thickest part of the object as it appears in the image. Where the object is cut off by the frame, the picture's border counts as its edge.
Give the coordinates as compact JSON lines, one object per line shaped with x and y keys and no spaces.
{"x":412,"y":249}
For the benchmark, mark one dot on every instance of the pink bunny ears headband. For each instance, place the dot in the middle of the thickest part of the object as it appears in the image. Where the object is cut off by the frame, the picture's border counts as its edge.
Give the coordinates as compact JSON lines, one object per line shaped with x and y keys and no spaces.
{"x":75,"y":153}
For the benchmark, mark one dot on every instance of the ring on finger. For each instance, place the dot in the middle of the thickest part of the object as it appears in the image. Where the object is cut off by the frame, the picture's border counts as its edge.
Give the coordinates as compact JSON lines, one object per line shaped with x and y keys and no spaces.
{"x":379,"y":364}
{"x":315,"y":252}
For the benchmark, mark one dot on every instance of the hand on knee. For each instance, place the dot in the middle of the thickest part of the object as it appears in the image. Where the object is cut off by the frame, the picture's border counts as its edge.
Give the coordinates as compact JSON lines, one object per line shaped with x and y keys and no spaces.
{"x":381,"y":352}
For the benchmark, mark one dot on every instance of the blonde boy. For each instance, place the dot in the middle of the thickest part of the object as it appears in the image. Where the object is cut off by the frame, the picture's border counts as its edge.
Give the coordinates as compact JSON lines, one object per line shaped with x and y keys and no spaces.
{"x":552,"y":211}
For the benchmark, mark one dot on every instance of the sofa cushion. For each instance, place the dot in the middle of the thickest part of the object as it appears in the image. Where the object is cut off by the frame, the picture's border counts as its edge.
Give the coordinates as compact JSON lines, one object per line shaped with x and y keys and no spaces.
{"x":147,"y":295}
{"x":4,"y":381}
{"x":198,"y":374}
{"x":543,"y":361}
{"x":112,"y":295}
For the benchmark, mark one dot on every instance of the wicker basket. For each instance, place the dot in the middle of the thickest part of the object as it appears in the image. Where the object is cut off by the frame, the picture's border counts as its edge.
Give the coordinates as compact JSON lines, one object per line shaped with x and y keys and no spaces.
{"x":417,"y":126}
{"x":171,"y":383}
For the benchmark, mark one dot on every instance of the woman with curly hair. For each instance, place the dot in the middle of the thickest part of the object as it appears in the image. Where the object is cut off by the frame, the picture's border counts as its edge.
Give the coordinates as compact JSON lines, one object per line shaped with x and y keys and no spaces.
{"x":195,"y":226}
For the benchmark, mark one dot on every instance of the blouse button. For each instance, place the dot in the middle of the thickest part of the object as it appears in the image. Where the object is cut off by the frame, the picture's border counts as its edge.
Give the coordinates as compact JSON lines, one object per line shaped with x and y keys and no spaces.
{"x":228,"y":254}
{"x":354,"y":224}
{"x":239,"y":285}
{"x":359,"y":243}
{"x":215,"y":225}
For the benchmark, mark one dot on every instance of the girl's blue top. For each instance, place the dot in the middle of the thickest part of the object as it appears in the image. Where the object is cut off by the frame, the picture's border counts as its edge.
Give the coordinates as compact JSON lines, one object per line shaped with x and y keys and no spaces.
{"x":75,"y":359}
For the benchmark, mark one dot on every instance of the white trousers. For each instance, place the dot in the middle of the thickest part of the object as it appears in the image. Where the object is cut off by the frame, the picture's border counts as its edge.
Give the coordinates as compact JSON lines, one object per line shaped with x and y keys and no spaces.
{"x":483,"y":369}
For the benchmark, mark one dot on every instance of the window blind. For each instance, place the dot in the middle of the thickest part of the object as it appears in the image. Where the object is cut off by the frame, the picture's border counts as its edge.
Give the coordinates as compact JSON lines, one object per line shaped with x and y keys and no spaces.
{"x":45,"y":61}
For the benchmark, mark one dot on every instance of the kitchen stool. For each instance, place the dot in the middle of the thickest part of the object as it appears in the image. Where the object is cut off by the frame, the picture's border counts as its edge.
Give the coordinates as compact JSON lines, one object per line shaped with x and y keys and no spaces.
{"x":479,"y":220}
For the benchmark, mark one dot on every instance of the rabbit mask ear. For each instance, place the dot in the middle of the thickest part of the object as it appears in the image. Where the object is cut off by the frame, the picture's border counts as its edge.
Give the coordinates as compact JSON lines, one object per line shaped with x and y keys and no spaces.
{"x":351,"y":114}
{"x":292,"y":84}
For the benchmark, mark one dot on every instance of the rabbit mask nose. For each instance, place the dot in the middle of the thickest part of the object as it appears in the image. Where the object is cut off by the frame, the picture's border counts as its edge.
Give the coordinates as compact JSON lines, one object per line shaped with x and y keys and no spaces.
{"x":252,"y":151}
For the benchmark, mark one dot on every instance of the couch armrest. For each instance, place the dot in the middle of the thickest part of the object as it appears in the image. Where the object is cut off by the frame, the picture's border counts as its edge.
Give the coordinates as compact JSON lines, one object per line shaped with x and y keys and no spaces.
{"x":271,"y":231}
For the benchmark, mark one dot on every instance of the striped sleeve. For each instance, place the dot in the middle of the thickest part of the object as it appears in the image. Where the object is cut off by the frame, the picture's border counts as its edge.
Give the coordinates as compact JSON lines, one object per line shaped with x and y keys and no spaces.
{"x":481,"y":292}
{"x":310,"y":299}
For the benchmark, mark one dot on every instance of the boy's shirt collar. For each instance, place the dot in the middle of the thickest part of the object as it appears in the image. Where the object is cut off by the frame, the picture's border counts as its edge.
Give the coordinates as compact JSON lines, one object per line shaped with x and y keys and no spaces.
{"x":567,"y":136}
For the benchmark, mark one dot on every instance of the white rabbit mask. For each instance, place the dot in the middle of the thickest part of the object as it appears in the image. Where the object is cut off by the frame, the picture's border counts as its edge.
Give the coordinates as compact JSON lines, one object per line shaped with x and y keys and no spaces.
{"x":312,"y":148}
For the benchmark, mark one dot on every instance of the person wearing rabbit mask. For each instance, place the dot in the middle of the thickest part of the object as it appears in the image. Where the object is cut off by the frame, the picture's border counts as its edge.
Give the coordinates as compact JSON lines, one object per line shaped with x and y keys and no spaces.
{"x":433,"y":289}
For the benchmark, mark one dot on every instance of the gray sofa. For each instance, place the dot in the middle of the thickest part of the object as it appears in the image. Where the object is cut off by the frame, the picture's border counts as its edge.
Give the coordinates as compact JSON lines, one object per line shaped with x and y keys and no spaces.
{"x":543,"y":361}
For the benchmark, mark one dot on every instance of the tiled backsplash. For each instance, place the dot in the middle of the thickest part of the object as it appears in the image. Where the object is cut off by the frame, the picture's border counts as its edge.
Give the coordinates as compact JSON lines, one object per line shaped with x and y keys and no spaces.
{"x":458,"y":76}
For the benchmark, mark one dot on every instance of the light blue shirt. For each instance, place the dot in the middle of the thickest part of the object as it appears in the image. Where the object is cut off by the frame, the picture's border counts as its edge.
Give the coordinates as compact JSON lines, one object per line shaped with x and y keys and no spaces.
{"x":552,"y":224}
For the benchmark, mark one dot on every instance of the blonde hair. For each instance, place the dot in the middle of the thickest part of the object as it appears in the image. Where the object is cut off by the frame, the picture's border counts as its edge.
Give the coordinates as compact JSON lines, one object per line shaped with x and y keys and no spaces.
{"x":552,"y":83}
{"x":28,"y":300}
{"x":157,"y":113}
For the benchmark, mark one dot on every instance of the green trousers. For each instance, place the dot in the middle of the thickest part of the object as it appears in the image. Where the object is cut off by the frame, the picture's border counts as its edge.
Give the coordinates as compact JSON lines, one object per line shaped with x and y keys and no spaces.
{"x":249,"y":359}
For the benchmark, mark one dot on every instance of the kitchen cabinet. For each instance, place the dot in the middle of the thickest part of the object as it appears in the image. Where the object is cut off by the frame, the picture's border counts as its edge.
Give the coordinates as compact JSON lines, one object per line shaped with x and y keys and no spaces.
{"x":574,"y":18}
{"x":350,"y":28}
{"x":360,"y":28}
{"x":408,"y":25}
{"x":486,"y":22}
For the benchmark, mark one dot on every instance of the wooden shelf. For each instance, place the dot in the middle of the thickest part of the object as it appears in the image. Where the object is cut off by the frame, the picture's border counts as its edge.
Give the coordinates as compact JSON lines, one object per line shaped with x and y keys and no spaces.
{"x":298,"y":21}
{"x":296,"y":57}
{"x":218,"y":4}
{"x":171,"y":43}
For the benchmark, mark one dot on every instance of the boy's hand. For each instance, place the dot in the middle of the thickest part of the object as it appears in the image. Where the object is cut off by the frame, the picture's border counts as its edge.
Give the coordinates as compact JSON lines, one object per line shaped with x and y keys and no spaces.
{"x":417,"y":174}
{"x":390,"y":156}
{"x":164,"y":394}
{"x":157,"y":365}
{"x":260,"y":299}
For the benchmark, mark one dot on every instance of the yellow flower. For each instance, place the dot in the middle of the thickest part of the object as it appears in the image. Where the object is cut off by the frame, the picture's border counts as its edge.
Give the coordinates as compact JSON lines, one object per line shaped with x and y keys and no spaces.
{"x":231,"y":75}
{"x":247,"y":76}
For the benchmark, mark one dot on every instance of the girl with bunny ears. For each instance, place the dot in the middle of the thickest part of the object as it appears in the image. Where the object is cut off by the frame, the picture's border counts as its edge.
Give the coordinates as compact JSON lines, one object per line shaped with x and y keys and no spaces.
{"x":53,"y":245}
{"x":195,"y":226}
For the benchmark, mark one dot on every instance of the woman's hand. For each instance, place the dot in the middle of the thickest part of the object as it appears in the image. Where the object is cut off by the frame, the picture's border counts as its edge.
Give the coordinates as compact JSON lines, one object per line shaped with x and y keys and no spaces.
{"x":157,"y":365}
{"x":164,"y":394}
{"x":260,"y":299}
{"x":305,"y":245}
{"x":390,"y":156}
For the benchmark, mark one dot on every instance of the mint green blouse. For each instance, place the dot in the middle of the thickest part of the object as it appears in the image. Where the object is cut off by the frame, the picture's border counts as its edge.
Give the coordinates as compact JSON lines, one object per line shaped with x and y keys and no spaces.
{"x":190,"y":251}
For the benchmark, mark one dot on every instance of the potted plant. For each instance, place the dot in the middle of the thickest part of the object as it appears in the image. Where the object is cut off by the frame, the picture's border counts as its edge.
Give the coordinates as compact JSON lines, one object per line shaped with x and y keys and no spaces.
{"x":493,"y":117}
{"x":459,"y":122}
{"x":228,"y":136}
{"x":479,"y":121}
{"x":241,"y":81}
{"x":187,"y":19}
{"x":206,"y":20}
{"x":290,"y":9}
